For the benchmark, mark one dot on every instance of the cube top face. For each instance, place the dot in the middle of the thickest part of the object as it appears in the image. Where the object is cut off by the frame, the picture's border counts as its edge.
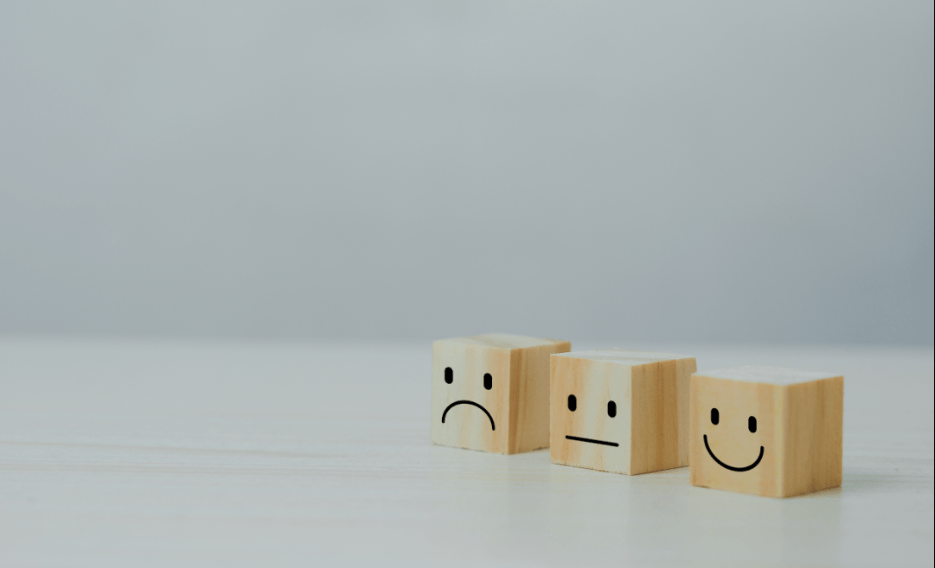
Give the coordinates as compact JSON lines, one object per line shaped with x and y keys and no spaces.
{"x":620,"y":411}
{"x":626,"y":357}
{"x":502,"y":341}
{"x":765,"y":431}
{"x":490,"y":392}
{"x":768,"y":375}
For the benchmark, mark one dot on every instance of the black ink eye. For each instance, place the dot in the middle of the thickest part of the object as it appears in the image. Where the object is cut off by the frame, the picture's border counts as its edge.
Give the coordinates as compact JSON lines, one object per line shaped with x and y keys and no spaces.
{"x":611,"y":409}
{"x":449,"y":375}
{"x":572,"y":402}
{"x":715,"y":416}
{"x":751,"y":423}
{"x":488,"y":381}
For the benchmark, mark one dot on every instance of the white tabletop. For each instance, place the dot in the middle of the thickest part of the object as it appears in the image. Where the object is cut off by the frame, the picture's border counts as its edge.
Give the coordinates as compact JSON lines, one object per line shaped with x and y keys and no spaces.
{"x":162,"y":454}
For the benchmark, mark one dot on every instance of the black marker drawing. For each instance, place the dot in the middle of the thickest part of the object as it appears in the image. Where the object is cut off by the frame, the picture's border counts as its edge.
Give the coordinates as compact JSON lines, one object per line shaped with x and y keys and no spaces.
{"x":611,"y":411}
{"x":589,"y":440}
{"x":472,"y":403}
{"x":730,"y":467}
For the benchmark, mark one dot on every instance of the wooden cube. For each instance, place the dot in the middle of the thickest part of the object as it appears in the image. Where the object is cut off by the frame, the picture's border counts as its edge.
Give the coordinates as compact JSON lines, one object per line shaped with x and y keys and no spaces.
{"x":620,"y":410}
{"x":766,"y":431}
{"x":491,"y":392}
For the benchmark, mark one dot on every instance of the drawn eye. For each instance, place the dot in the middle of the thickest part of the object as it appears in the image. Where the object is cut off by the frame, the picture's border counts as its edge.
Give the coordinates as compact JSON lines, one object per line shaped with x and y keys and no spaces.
{"x":488,"y":381}
{"x":751,"y":423}
{"x":611,"y":409}
{"x":715,"y":416}
{"x":572,"y":402}
{"x":449,"y":375}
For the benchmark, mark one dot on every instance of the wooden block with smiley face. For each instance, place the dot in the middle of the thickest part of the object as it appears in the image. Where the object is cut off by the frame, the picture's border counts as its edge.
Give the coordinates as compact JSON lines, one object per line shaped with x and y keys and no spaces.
{"x":491,"y":392}
{"x":766,"y":431}
{"x":620,"y":411}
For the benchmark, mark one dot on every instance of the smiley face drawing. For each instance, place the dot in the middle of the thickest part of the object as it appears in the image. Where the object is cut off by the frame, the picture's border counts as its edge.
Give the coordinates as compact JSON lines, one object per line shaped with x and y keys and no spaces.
{"x":766,"y":431}
{"x":491,"y":392}
{"x":751,"y":425}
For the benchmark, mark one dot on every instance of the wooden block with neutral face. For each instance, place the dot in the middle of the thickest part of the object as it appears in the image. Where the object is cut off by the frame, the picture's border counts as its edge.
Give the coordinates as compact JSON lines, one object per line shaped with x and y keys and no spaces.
{"x":766,"y":431}
{"x":619,"y":410}
{"x":491,"y":392}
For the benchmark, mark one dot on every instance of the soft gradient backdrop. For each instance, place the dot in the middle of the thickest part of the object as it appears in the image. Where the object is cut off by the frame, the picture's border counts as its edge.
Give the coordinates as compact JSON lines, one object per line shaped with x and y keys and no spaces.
{"x":388,"y":170}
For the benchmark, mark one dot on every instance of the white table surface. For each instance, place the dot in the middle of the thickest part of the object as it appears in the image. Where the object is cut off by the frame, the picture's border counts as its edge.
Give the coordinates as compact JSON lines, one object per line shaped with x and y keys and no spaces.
{"x":173,"y":454}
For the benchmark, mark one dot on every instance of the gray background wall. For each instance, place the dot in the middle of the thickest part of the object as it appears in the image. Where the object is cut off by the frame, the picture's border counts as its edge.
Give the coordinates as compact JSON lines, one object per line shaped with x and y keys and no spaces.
{"x":655,"y":171}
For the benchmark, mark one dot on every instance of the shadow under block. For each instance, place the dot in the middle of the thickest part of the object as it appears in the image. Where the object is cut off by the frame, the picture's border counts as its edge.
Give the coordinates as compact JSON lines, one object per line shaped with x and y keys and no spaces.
{"x":491,"y":392}
{"x":766,"y":431}
{"x":629,"y":413}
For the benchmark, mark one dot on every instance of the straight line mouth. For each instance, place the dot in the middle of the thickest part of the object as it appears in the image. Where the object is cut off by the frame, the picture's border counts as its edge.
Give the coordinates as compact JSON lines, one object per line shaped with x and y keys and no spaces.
{"x":590,"y":441}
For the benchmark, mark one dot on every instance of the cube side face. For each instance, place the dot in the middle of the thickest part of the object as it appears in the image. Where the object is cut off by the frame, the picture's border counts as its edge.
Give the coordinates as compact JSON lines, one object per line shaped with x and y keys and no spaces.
{"x":684,"y":369}
{"x":727,"y":455}
{"x":813,"y":436}
{"x":464,"y":413}
{"x":660,"y":415}
{"x":529,"y":396}
{"x":604,"y":441}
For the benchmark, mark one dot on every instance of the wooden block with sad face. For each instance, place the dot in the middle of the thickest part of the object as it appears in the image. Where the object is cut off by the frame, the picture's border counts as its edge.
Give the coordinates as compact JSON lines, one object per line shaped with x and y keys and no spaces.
{"x":491,"y":392}
{"x":766,"y":431}
{"x":620,"y":410}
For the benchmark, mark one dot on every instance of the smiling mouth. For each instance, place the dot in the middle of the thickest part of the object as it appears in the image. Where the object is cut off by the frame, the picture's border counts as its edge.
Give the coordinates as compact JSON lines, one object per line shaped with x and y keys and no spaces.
{"x":472,"y":403}
{"x":590,"y":441}
{"x":730,"y":467}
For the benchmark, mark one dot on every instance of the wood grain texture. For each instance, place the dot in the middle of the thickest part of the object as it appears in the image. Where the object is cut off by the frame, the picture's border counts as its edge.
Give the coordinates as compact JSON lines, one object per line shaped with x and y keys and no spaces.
{"x":796,"y":447}
{"x":191,"y":454}
{"x":813,"y":430}
{"x":517,"y":403}
{"x":650,"y":393}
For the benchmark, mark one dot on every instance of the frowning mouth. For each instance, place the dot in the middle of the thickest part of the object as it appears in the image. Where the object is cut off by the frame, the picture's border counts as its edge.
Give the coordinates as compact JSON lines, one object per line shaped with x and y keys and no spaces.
{"x":592,"y":441}
{"x":472,"y":403}
{"x":730,"y":467}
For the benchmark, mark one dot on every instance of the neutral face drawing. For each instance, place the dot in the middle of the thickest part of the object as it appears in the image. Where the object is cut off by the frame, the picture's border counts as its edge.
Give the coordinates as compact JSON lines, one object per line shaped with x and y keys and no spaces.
{"x":620,"y":410}
{"x":751,"y":426}
{"x":611,"y":413}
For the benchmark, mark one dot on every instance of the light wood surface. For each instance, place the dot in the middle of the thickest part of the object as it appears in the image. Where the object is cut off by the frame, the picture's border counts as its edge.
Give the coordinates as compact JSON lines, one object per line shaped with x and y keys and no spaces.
{"x":509,"y":417}
{"x":648,"y":392}
{"x":794,"y":443}
{"x":116,"y":454}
